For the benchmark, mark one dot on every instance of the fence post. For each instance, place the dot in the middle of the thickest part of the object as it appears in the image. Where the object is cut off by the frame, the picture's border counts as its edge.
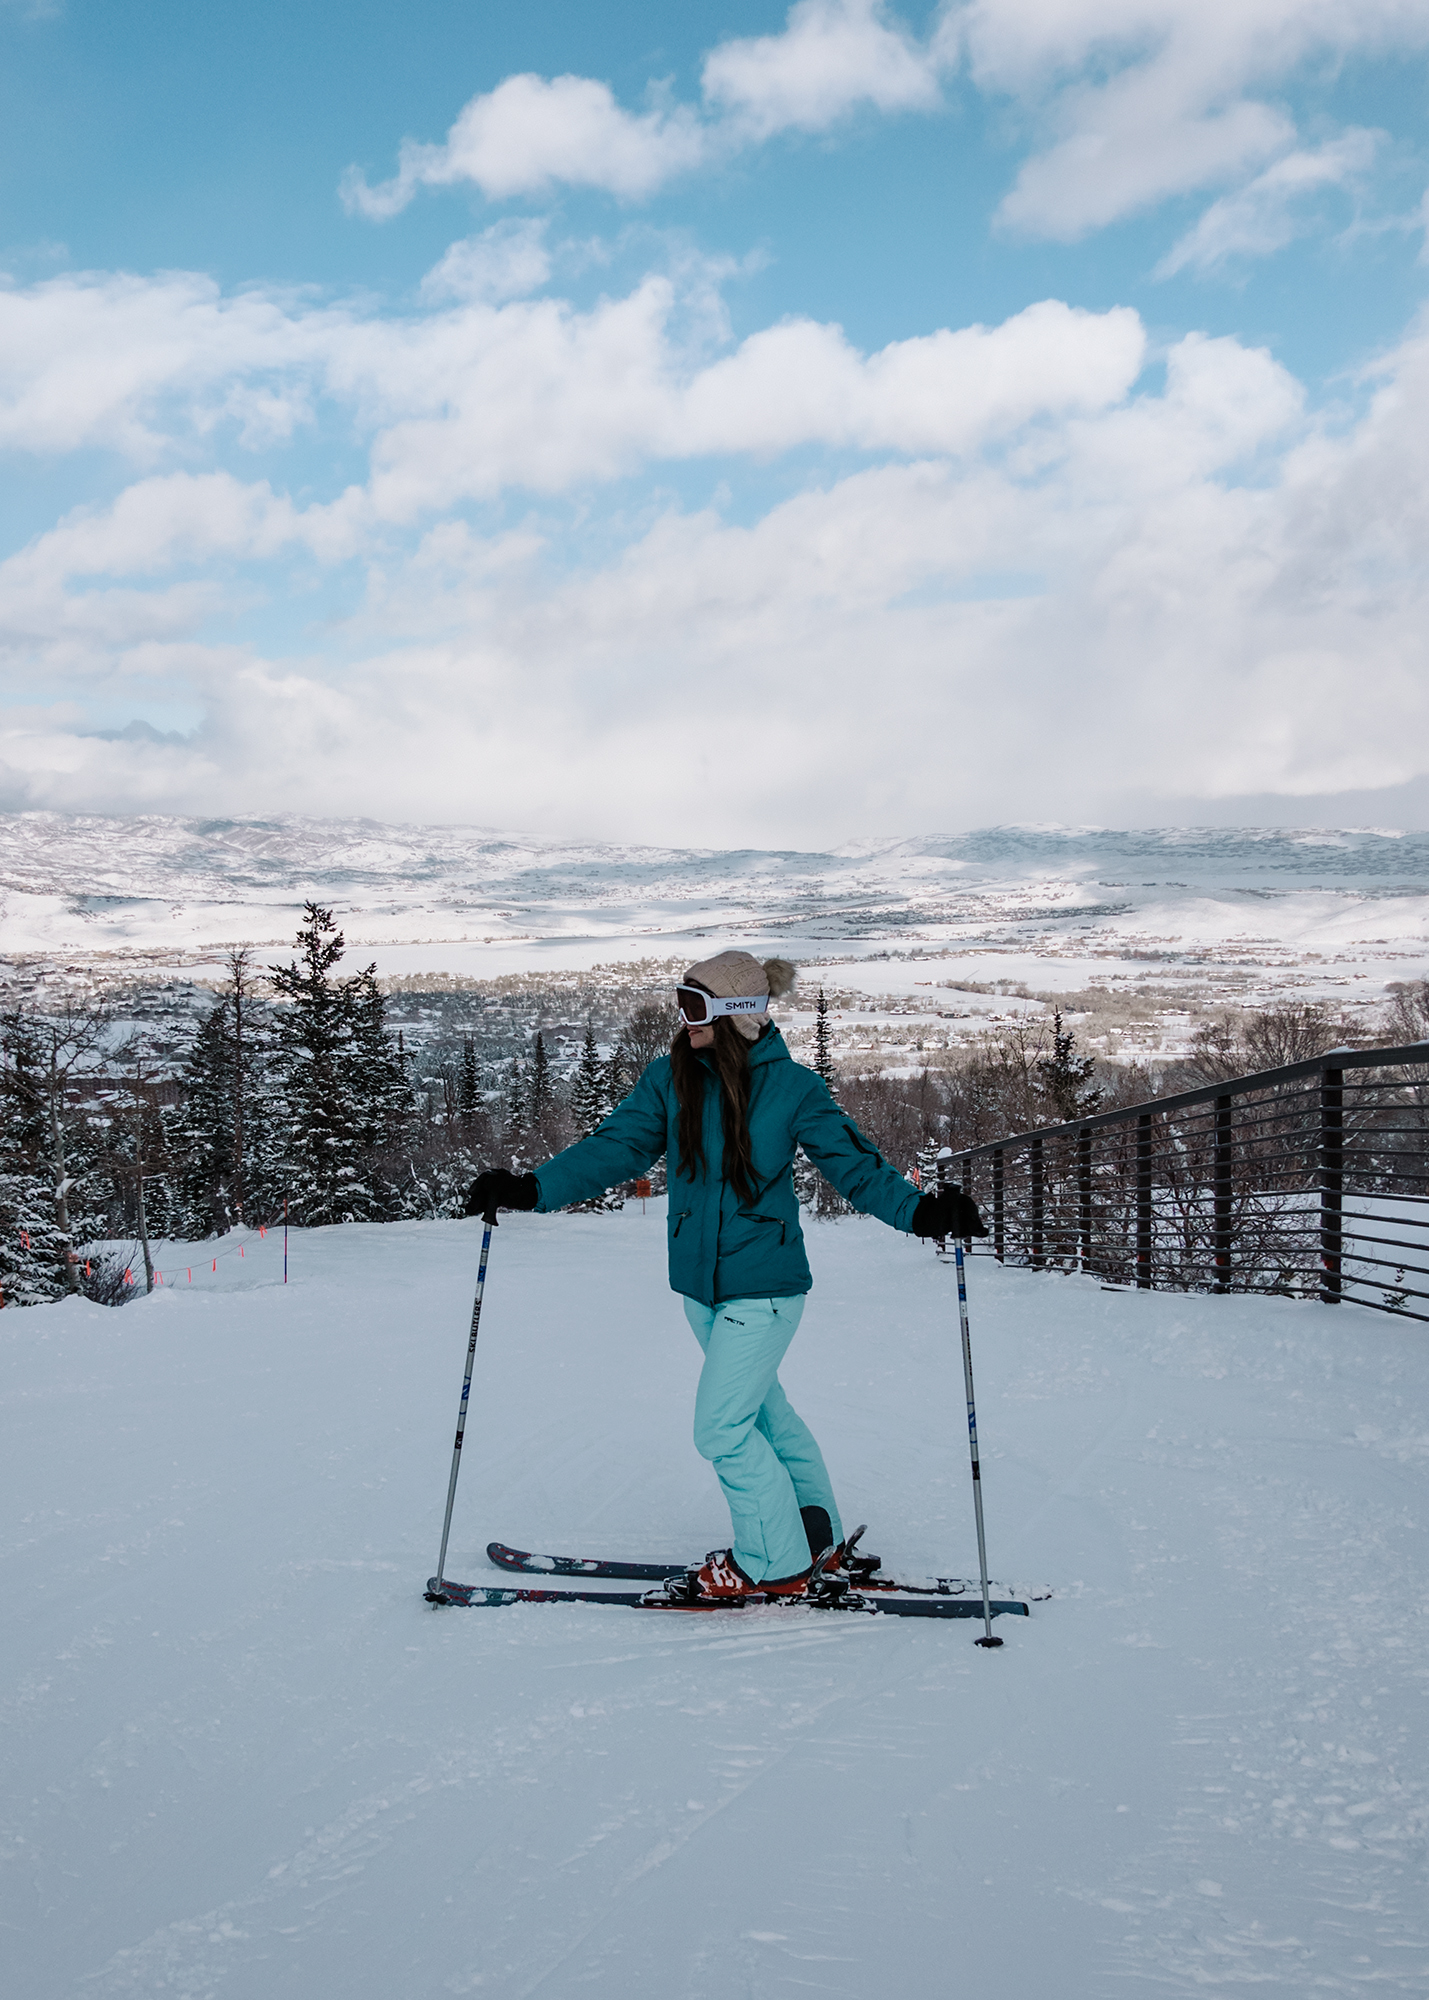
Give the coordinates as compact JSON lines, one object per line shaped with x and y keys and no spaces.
{"x":1143,"y":1202}
{"x":1038,"y":1259}
{"x":1084,"y":1198}
{"x":1332,"y":1183}
{"x":999,"y":1209}
{"x":1223,"y":1172}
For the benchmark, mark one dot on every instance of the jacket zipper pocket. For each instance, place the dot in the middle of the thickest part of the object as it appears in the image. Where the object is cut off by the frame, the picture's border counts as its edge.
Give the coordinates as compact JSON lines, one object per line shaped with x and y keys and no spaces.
{"x":679,"y":1223}
{"x":783,"y":1226}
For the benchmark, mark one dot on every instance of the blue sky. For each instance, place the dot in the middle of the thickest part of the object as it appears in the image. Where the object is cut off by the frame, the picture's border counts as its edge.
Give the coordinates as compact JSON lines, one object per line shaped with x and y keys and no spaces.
{"x":741,"y":424}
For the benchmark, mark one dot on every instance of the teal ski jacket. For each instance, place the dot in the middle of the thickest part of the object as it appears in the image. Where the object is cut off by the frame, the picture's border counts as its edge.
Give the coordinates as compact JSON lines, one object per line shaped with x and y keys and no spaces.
{"x":722,"y":1248}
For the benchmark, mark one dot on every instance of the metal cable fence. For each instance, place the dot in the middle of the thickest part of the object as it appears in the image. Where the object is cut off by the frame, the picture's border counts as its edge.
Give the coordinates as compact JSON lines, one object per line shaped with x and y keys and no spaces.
{"x":1310,"y":1181}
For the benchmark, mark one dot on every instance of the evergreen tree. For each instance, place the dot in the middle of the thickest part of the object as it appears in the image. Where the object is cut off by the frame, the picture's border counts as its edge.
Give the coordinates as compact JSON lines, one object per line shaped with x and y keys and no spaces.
{"x":31,"y":1246}
{"x":57,"y":1056}
{"x":616,"y":1079}
{"x":590,"y":1103}
{"x":1065,"y":1077}
{"x":379,"y":1072}
{"x":540,"y":1095}
{"x":325,"y":1118}
{"x":224,"y":1135}
{"x":824,"y":1047}
{"x":201,"y":1134}
{"x":469,"y":1086}
{"x":813,"y":1191}
{"x":588,"y":1086}
{"x":515,"y":1118}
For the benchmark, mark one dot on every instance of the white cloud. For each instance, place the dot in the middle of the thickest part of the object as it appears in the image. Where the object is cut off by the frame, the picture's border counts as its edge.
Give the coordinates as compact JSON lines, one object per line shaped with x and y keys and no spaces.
{"x":1130,"y":102}
{"x":507,"y":261}
{"x":1143,"y":99}
{"x":111,"y":360}
{"x":472,"y":399}
{"x":1261,"y":217}
{"x":1075,"y":579}
{"x":802,"y":383}
{"x":532,"y":133}
{"x":546,"y":398}
{"x":833,"y":56}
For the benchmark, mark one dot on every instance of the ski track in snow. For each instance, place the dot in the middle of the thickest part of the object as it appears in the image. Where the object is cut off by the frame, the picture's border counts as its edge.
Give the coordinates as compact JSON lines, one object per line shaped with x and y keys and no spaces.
{"x":244,"y":1759}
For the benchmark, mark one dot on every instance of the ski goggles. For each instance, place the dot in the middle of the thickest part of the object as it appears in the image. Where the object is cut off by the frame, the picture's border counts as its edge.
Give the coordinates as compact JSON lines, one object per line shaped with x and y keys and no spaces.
{"x":697,"y":1007}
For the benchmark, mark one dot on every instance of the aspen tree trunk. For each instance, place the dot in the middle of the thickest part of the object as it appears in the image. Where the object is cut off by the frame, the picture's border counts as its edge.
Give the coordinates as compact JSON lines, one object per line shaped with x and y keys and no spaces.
{"x":239,"y":964}
{"x":144,"y":1231}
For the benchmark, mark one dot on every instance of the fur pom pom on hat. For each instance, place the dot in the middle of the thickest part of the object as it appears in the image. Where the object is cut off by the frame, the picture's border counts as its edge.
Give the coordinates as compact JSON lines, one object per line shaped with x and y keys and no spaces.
{"x":738,"y":974}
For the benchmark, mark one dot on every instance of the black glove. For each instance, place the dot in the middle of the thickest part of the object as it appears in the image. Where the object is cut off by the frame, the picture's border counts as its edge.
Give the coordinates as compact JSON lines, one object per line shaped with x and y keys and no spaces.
{"x":949,"y":1212}
{"x":497,"y":1188}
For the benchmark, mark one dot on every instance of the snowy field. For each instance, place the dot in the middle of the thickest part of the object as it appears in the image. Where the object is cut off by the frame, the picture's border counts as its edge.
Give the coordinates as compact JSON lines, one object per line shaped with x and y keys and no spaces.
{"x":242,"y":1758}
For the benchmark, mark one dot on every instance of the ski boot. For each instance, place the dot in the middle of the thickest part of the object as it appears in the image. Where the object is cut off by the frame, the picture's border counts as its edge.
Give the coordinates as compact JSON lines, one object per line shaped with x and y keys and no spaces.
{"x":820,"y":1532}
{"x":720,"y":1580}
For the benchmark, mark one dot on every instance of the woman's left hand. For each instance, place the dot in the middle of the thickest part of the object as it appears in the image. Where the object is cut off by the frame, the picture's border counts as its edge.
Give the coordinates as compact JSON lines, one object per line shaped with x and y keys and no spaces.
{"x":949,"y":1212}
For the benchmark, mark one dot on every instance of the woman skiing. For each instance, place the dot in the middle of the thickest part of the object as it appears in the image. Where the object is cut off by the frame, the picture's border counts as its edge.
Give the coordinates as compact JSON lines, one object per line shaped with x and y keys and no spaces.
{"x":730,"y":1107}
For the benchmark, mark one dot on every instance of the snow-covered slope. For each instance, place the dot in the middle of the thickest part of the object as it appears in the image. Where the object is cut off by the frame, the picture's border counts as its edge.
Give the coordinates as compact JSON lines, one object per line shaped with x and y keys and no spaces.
{"x":1243,"y":914}
{"x":243,"y":1759}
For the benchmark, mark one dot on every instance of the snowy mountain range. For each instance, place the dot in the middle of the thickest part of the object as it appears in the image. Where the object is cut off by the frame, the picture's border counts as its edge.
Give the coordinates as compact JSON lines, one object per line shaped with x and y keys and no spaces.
{"x":1054,"y":905}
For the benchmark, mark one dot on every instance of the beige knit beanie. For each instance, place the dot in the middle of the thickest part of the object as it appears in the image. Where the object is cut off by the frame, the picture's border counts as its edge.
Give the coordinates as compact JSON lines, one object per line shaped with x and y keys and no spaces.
{"x":738,"y":974}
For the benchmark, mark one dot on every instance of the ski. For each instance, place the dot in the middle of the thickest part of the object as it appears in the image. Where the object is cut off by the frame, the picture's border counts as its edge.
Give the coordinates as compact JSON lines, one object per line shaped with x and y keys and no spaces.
{"x":879,"y":1604}
{"x":659,"y":1572}
{"x":534,"y":1565}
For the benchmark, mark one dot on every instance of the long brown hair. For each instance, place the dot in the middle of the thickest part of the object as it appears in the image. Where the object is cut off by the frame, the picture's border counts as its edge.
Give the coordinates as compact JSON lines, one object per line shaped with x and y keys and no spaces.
{"x":731,"y":1070}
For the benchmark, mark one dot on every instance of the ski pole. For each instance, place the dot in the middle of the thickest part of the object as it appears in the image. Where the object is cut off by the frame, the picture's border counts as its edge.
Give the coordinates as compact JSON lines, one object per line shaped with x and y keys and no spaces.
{"x":988,"y":1639}
{"x":489,"y":1223}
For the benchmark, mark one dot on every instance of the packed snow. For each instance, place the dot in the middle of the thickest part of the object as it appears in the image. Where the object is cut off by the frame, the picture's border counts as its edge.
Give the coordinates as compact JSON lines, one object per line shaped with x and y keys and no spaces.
{"x":243,"y":1758}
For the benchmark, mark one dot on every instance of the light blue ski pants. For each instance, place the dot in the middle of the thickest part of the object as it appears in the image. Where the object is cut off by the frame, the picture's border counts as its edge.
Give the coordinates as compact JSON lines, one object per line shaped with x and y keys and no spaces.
{"x":763,"y":1452}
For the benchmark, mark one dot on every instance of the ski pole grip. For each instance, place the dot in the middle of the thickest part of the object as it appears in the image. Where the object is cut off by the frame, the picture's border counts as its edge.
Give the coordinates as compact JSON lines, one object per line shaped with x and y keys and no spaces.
{"x":490,"y":1219}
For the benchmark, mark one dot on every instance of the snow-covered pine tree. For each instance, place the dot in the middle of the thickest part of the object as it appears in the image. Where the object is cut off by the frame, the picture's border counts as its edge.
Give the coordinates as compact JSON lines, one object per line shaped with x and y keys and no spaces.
{"x":590,"y":1103}
{"x":380,"y":1076}
{"x":325,"y":1120}
{"x":201,"y":1130}
{"x":824,"y":1047}
{"x":540,"y":1089}
{"x":617,"y":1079}
{"x":587,"y":1094}
{"x":224,"y":1133}
{"x":514,"y":1115}
{"x":62,"y":1056}
{"x":813,"y":1191}
{"x":469,"y":1085}
{"x":31,"y":1246}
{"x":1064,"y":1077}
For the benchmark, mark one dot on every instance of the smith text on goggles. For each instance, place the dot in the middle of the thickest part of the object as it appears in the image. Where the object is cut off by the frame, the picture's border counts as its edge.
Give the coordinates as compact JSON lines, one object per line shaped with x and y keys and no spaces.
{"x":697,"y":1006}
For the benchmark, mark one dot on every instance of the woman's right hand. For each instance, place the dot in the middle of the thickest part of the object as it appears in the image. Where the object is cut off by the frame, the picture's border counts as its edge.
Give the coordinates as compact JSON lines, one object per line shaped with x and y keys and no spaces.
{"x":497,"y":1188}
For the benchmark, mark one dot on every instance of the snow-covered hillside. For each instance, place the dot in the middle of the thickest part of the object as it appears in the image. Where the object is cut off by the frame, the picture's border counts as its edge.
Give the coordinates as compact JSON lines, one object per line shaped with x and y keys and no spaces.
{"x":156,"y":891}
{"x":243,"y":1759}
{"x":1151,"y":931}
